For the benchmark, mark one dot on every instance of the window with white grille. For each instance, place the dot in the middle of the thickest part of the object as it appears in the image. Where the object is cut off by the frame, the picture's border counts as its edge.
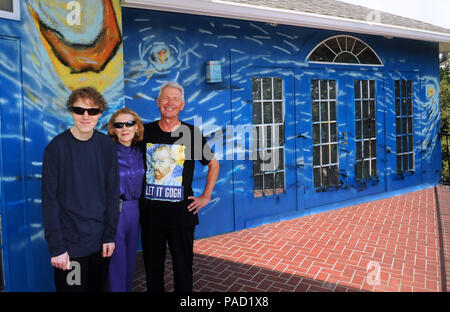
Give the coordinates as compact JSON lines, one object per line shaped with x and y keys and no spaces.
{"x":365,"y":129}
{"x":404,"y":131}
{"x":324,"y":130}
{"x":269,"y":141}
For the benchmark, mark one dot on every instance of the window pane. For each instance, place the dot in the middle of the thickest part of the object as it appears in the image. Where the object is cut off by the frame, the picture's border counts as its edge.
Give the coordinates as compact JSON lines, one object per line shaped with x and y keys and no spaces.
{"x":358,"y":150}
{"x":324,"y":111}
{"x":279,"y":181}
{"x":256,"y":113}
{"x":280,"y":159}
{"x":366,"y":169}
{"x":358,"y":109}
{"x":398,"y":145}
{"x":372,"y":109}
{"x":317,"y":177}
{"x":6,"y":5}
{"x":256,"y":167}
{"x":267,"y":89}
{"x":278,"y":112}
{"x":325,"y":155}
{"x":325,"y":137}
{"x":409,"y":105}
{"x":333,"y":116}
{"x":333,"y":45}
{"x":365,"y":107}
{"x":268,"y":136}
{"x":323,"y":90}
{"x":374,"y":168}
{"x":411,"y":161}
{"x":397,"y":107}
{"x":346,"y":58}
{"x":357,"y":89}
{"x":268,"y":181}
{"x":334,"y":172}
{"x":322,"y":54}
{"x":358,"y":170}
{"x":368,"y":57}
{"x":277,"y":88}
{"x":403,"y":88}
{"x":315,"y":89}
{"x":258,"y":182}
{"x":333,"y":132}
{"x":268,"y":113}
{"x":365,"y":89}
{"x":256,"y":89}
{"x":316,"y":134}
{"x":333,"y":153}
{"x":280,"y":134}
{"x":372,"y":89}
{"x":315,"y":111}
{"x":316,"y":156}
{"x":332,"y":89}
{"x":358,"y":130}
{"x":325,"y":176}
{"x":398,"y":126}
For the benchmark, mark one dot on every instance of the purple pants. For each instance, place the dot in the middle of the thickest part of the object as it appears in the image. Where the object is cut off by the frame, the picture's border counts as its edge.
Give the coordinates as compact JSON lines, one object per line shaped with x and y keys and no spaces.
{"x":123,"y":260}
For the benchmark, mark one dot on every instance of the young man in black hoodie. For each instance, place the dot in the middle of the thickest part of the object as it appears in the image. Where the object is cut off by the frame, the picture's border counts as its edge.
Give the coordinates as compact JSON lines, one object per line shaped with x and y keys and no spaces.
{"x":80,"y":197}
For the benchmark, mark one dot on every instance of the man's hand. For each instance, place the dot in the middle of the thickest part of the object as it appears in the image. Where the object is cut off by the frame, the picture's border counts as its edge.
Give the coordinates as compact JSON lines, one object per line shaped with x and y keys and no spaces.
{"x":108,"y":249}
{"x":61,"y":262}
{"x":198,"y":203}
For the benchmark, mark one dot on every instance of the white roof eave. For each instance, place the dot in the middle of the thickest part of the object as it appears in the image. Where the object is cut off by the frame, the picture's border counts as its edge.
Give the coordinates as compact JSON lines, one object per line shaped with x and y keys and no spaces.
{"x":219,"y":8}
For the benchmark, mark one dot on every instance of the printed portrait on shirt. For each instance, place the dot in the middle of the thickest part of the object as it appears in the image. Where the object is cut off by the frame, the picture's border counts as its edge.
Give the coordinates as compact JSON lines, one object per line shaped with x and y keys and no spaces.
{"x":164,"y":175}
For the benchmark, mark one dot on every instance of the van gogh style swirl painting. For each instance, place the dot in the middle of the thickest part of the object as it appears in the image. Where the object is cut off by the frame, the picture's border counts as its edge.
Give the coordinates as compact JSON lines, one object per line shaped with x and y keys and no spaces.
{"x":76,"y":44}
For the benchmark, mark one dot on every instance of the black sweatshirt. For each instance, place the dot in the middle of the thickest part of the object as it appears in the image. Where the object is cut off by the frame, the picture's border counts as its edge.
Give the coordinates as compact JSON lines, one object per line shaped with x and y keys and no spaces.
{"x":80,"y":194}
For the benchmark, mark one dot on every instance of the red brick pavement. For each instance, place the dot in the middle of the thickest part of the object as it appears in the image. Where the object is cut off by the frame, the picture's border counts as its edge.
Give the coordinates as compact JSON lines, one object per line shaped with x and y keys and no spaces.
{"x":386,"y":245}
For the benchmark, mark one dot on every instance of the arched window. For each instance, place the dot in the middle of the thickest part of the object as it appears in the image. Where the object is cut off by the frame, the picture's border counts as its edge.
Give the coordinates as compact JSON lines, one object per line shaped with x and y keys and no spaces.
{"x":344,"y":50}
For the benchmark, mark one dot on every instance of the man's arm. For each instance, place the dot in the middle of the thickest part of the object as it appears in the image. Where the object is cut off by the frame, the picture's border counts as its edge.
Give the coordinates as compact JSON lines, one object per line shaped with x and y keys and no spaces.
{"x":201,"y":201}
{"x":112,"y":201}
{"x":51,"y":209}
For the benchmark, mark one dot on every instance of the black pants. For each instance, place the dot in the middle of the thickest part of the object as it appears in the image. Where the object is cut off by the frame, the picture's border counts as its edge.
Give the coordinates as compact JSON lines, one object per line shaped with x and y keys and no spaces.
{"x":87,"y":274}
{"x":154,"y":247}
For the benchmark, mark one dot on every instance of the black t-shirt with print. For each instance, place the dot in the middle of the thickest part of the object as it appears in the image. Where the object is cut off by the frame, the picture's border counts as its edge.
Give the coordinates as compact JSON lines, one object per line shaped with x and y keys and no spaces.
{"x":169,"y":159}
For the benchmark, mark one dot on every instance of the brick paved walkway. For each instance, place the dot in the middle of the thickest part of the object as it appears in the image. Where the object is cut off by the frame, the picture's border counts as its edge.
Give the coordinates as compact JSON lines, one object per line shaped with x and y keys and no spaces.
{"x":386,"y":245}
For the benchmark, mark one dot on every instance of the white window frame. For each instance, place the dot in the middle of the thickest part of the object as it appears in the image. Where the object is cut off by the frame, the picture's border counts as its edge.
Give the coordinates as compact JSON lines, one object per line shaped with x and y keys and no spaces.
{"x":15,"y":14}
{"x":345,"y":50}
{"x":274,"y":146}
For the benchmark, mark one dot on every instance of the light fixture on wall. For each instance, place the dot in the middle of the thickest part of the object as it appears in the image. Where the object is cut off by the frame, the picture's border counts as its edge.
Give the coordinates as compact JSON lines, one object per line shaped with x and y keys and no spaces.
{"x":213,"y":72}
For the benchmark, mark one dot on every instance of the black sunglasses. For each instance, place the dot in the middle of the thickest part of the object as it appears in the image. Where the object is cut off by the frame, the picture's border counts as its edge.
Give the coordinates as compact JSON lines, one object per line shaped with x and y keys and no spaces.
{"x":128,"y":124}
{"x":80,"y":110}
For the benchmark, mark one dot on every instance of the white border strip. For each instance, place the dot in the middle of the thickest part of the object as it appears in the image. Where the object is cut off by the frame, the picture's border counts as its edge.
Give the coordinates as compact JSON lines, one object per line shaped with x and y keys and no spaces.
{"x":220,"y":8}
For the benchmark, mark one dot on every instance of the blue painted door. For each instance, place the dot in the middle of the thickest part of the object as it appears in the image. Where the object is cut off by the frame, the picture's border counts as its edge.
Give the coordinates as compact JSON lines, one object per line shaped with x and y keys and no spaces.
{"x":14,"y":231}
{"x":342,"y":128}
{"x":404,"y":124}
{"x":263,"y":115}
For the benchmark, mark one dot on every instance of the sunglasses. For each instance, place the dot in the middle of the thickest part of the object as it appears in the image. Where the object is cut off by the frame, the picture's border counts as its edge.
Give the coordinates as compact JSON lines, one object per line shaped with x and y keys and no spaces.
{"x":80,"y":110}
{"x":128,"y":124}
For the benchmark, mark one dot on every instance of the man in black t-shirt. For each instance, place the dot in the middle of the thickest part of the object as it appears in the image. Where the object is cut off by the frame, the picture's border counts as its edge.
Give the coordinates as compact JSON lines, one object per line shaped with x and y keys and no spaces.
{"x":169,"y":210}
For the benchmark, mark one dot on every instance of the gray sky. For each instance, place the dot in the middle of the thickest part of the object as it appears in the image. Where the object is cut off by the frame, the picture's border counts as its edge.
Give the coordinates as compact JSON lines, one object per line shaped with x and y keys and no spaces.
{"x":436,"y":12}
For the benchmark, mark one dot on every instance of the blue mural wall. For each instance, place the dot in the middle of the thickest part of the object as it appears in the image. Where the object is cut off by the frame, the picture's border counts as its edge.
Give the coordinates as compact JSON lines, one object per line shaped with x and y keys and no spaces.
{"x":151,"y":47}
{"x":43,"y":57}
{"x":161,"y":46}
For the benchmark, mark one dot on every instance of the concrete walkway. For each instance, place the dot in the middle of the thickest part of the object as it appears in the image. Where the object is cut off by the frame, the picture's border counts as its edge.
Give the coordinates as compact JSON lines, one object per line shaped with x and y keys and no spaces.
{"x":395,"y":244}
